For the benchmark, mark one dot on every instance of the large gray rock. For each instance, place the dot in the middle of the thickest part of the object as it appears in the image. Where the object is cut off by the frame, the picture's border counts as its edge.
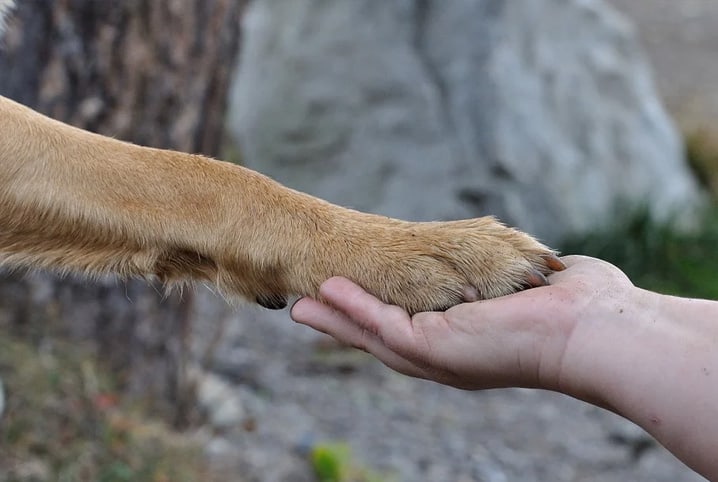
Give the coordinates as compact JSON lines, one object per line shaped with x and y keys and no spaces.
{"x":5,"y":7}
{"x":542,"y":112}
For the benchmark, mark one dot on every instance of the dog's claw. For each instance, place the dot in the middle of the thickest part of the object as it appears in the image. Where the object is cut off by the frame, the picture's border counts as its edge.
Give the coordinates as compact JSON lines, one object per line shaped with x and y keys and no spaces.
{"x":553,"y":262}
{"x":536,"y":279}
{"x":272,"y":302}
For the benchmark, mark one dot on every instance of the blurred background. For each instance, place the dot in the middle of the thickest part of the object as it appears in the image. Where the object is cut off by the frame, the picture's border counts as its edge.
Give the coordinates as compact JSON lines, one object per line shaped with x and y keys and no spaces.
{"x":588,"y":123}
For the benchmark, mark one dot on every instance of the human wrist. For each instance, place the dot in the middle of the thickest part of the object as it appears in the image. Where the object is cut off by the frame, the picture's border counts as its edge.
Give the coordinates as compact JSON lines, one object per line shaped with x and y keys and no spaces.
{"x":613,"y":335}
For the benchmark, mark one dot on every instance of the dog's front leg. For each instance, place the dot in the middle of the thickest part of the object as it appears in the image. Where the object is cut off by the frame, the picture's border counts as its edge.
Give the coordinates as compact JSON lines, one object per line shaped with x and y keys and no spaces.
{"x":76,"y":201}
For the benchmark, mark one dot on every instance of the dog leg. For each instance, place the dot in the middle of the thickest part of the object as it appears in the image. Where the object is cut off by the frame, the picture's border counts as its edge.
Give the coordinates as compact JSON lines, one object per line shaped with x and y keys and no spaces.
{"x":75,"y":201}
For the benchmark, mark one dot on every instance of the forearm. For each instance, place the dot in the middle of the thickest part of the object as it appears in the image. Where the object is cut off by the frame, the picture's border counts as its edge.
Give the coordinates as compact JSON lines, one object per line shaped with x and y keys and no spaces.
{"x":655,"y":361}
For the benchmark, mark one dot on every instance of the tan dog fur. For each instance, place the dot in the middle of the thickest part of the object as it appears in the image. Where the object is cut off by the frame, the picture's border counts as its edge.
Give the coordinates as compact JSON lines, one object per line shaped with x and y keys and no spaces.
{"x":75,"y":201}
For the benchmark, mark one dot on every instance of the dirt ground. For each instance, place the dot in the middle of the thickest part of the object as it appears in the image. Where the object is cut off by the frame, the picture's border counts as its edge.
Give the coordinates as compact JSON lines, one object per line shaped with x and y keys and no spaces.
{"x":681,"y":39}
{"x":409,"y":430}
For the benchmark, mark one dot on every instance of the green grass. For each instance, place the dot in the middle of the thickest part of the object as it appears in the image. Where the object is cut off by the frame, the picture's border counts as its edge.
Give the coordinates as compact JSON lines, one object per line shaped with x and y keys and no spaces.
{"x":657,"y":257}
{"x":660,"y":258}
{"x":333,"y":462}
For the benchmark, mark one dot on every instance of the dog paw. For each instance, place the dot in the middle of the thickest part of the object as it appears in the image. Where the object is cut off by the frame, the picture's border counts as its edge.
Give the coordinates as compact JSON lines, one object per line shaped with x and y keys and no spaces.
{"x":433,"y":266}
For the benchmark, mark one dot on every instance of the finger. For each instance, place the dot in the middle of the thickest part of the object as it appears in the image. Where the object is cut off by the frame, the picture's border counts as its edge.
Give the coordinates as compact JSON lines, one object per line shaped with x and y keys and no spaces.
{"x":391,"y":323}
{"x":510,"y":312}
{"x":573,"y":259}
{"x":324,"y":318}
{"x":313,"y":314}
{"x":582,"y":266}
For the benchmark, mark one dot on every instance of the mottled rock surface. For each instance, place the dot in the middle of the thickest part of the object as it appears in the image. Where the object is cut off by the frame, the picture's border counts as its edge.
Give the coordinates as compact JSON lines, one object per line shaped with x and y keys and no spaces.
{"x":541,"y":112}
{"x":681,"y":39}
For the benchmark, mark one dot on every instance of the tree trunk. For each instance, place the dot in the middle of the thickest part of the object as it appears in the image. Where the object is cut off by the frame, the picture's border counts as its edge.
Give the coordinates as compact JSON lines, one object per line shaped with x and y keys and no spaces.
{"x":154,"y":73}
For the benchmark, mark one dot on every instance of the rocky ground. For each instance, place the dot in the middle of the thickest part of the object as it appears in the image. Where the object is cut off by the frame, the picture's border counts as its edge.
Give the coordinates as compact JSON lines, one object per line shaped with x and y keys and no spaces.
{"x":405,"y":429}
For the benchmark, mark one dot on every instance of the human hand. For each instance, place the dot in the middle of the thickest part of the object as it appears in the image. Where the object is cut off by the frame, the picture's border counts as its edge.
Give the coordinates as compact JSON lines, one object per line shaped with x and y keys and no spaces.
{"x":590,"y":334}
{"x":516,"y":340}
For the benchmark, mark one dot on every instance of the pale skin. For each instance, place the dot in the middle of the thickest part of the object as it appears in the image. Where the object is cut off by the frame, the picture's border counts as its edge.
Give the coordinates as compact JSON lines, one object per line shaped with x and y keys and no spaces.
{"x":591,"y":334}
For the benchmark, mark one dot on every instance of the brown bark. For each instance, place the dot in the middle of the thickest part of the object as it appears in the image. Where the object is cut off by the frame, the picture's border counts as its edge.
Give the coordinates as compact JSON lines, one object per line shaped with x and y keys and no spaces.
{"x":152,"y":72}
